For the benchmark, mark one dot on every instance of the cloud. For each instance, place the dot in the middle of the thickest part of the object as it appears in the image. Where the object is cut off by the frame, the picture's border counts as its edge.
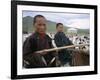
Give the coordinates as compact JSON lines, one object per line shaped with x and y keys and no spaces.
{"x":80,"y":23}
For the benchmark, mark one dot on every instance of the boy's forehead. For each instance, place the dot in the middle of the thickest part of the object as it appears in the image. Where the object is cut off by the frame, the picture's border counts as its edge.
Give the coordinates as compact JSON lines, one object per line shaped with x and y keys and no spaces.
{"x":60,"y":25}
{"x":40,"y":20}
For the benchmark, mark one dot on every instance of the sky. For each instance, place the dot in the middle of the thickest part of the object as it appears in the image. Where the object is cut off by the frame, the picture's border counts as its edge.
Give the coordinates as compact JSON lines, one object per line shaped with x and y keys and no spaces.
{"x":75,"y":20}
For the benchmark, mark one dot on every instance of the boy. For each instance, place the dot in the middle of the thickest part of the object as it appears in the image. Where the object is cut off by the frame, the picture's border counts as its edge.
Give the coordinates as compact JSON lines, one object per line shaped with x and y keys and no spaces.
{"x":61,"y":40}
{"x":39,"y":40}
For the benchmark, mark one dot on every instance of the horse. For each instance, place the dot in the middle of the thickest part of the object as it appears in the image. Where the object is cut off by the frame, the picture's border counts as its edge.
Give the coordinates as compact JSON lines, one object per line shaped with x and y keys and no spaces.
{"x":80,"y":58}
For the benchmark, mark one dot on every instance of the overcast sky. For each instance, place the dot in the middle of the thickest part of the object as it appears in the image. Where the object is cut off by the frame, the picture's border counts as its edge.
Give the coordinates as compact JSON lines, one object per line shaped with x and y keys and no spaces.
{"x":76,"y":20}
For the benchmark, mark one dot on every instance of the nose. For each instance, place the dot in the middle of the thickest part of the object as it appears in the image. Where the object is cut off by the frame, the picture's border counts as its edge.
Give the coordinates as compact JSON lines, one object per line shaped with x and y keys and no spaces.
{"x":42,"y":27}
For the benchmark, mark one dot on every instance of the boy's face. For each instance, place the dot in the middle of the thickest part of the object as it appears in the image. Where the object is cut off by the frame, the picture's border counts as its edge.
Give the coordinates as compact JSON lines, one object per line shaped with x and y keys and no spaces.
{"x":60,"y":28}
{"x":40,"y":25}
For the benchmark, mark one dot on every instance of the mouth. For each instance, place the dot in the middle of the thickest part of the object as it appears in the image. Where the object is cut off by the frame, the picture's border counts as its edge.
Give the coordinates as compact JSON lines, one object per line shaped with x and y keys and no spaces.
{"x":42,"y":31}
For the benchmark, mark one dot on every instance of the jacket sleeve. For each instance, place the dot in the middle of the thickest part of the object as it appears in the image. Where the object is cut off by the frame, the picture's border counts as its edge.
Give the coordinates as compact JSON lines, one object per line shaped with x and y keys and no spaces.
{"x":27,"y":47}
{"x":58,"y":40}
{"x":65,"y":39}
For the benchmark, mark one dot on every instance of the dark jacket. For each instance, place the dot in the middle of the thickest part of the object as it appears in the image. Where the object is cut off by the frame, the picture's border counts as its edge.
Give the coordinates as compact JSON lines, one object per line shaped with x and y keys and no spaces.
{"x":61,"y":40}
{"x":34,"y":43}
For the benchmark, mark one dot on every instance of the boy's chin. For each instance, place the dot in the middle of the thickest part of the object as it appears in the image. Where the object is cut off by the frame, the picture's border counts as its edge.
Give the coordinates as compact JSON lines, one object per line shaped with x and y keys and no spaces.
{"x":42,"y":32}
{"x":60,"y":31}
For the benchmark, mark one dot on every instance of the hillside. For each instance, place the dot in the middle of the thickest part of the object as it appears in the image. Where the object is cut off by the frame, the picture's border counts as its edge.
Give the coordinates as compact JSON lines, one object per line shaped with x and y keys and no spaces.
{"x":51,"y":26}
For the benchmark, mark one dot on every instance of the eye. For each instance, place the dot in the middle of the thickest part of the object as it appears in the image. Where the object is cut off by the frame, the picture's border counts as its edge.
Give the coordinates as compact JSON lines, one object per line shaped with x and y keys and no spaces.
{"x":44,"y":24}
{"x":39,"y":25}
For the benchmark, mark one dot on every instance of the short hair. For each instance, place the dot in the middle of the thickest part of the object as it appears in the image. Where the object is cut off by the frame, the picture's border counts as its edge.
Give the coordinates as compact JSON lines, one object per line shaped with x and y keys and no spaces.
{"x":58,"y":24}
{"x":34,"y":19}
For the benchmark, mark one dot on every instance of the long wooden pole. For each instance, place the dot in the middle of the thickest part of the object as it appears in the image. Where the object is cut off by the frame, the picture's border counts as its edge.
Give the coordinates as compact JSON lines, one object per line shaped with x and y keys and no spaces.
{"x":60,"y":48}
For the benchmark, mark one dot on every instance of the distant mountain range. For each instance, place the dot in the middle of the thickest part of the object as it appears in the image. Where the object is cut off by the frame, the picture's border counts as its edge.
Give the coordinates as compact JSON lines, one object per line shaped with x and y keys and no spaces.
{"x":51,"y":26}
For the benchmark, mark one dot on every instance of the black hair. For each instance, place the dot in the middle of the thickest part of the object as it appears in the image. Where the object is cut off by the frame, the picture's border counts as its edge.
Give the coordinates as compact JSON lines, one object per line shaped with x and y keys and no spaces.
{"x":34,"y":19}
{"x":58,"y":24}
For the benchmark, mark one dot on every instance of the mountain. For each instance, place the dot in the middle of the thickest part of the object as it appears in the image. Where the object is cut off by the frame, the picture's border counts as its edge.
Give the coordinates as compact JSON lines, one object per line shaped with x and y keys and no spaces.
{"x":28,"y":25}
{"x":51,"y":26}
